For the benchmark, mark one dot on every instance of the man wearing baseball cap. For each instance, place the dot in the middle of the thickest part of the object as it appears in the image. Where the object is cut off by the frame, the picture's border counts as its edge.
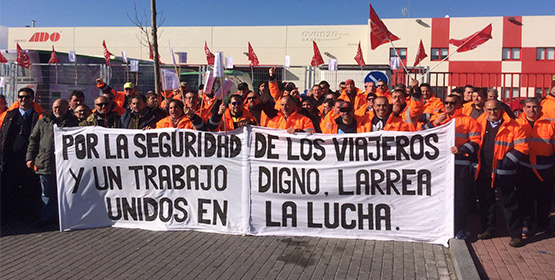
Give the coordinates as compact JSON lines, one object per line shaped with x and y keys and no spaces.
{"x":121,"y":98}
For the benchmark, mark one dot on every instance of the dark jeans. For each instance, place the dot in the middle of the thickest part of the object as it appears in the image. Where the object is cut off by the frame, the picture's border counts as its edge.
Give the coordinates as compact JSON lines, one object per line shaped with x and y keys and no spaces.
{"x":531,"y":189}
{"x":49,"y":210}
{"x":464,"y":185}
{"x":506,"y":187}
{"x":19,"y":193}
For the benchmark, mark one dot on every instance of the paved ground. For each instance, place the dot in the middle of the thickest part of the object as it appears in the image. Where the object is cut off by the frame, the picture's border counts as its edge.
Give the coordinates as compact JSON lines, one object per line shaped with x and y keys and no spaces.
{"x":495,"y":259}
{"x":116,"y":253}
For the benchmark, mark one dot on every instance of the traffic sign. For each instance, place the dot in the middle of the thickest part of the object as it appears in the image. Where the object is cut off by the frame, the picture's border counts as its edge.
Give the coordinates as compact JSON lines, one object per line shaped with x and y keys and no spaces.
{"x":375,"y":76}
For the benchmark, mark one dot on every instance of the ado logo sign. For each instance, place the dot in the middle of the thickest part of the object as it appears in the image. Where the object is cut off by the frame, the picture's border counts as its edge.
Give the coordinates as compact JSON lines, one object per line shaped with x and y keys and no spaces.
{"x":44,"y":36}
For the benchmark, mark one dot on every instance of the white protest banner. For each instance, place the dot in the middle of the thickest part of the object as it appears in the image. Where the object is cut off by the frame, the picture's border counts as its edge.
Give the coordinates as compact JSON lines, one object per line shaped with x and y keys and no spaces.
{"x":332,"y":65}
{"x":209,"y":81}
{"x":170,"y":79}
{"x":229,"y":62}
{"x":124,"y":57}
{"x":380,"y":185}
{"x":219,"y":65}
{"x":71,"y":56}
{"x":222,"y":91}
{"x":163,"y":179}
{"x":172,"y":53}
{"x":134,"y":66}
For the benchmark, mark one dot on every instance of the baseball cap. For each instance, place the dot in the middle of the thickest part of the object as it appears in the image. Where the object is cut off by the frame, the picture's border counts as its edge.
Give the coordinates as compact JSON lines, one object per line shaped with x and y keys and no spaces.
{"x":128,"y":85}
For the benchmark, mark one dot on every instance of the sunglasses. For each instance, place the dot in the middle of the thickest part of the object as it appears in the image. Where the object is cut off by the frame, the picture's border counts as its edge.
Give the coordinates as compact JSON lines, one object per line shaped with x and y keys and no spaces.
{"x":24,"y":96}
{"x":449,"y":102}
{"x":252,"y":98}
{"x":381,"y":85}
{"x":102,"y":104}
{"x":370,"y":99}
{"x":236,"y":103}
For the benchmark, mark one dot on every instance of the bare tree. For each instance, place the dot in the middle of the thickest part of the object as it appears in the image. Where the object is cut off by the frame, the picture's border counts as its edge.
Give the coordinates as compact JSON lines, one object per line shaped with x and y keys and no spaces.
{"x":149,"y":36}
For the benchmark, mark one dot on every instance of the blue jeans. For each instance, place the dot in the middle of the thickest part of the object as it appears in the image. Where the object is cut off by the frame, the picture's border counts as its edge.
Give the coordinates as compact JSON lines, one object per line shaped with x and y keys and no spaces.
{"x":49,"y":210}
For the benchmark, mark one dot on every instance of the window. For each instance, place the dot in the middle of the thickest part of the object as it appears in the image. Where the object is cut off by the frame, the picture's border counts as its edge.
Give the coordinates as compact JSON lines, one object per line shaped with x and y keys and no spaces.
{"x":510,"y":54}
{"x":402,"y":53}
{"x":540,"y":91}
{"x":515,"y":92}
{"x":439,"y":54}
{"x":545,"y":53}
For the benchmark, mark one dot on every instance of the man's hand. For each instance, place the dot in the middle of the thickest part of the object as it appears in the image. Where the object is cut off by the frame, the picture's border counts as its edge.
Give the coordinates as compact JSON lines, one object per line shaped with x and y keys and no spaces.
{"x":30,"y":164}
{"x":244,"y":122}
{"x":291,"y":130}
{"x":440,"y":119}
{"x":222,"y":108}
{"x":272,"y":71}
{"x":188,"y":112}
{"x":454,"y":150}
{"x":413,"y":82}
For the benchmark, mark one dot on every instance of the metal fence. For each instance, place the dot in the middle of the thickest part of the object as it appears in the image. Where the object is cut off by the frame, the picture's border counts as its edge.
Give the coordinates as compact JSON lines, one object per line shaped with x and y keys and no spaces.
{"x":51,"y":82}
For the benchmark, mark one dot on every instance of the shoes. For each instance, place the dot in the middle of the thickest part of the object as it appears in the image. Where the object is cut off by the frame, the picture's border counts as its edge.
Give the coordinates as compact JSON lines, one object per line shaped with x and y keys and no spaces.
{"x":485,"y":235}
{"x":525,"y":233}
{"x":462,"y":234}
{"x":516,"y":242}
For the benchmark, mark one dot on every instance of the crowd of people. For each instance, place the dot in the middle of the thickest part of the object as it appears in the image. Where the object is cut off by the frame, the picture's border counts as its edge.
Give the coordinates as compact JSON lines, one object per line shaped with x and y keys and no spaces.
{"x":496,"y":153}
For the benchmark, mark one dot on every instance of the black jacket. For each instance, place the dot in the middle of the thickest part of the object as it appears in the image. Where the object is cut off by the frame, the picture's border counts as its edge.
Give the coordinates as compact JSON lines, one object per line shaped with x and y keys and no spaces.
{"x":147,"y":119}
{"x":8,"y":120}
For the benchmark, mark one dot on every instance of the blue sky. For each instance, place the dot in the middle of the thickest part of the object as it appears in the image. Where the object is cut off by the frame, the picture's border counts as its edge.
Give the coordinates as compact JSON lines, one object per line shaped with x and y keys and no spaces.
{"x":18,"y":13}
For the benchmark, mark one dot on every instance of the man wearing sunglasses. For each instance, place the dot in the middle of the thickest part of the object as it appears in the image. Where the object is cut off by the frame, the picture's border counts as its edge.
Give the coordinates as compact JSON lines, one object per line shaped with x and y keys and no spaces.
{"x":467,"y":143}
{"x":20,"y":191}
{"x":502,"y":147}
{"x":232,"y":115}
{"x":262,"y":112}
{"x":383,"y":90}
{"x":289,"y":119}
{"x":103,"y":114}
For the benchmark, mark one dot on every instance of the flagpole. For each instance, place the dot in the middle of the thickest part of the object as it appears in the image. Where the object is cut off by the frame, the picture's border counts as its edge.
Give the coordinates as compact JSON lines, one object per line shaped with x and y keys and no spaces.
{"x":437,"y":65}
{"x":457,"y":50}
{"x":127,"y":70}
{"x":397,"y":54}
{"x":75,"y":68}
{"x":176,"y":72}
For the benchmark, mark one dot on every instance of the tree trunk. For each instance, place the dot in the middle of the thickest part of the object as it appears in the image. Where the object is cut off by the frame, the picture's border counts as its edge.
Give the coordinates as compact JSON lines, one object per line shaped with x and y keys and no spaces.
{"x":157,"y":84}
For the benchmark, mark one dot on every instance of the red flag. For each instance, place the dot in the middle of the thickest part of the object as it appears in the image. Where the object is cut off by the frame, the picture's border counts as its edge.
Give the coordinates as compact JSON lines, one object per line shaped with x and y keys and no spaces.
{"x":22,"y":58}
{"x":420,"y":54}
{"x":151,"y":52}
{"x":3,"y":59}
{"x":209,"y":54}
{"x":317,"y":58}
{"x":473,"y":41}
{"x":378,"y":31}
{"x":53,"y":58}
{"x":107,"y":53}
{"x":252,"y":56}
{"x":358,"y":57}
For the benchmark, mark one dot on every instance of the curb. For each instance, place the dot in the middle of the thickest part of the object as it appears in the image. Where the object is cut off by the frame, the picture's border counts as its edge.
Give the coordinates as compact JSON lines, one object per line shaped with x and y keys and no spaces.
{"x":464,"y":265}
